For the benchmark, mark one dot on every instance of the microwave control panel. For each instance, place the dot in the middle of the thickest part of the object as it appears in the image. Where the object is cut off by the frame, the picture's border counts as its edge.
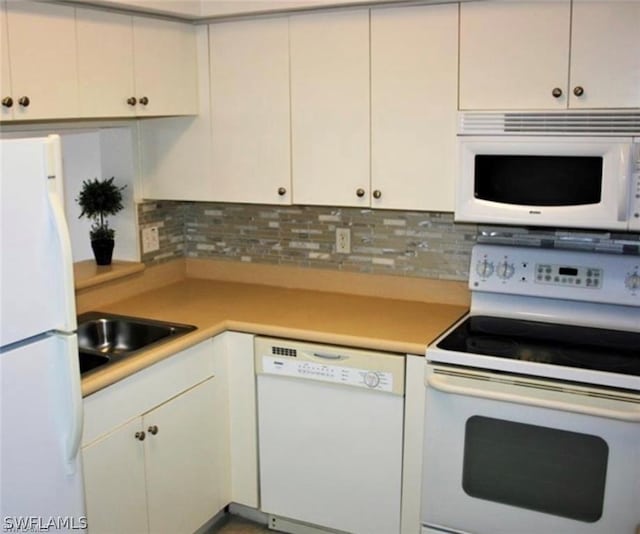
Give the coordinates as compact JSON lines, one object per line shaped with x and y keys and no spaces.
{"x":552,"y":273}
{"x":634,"y":208}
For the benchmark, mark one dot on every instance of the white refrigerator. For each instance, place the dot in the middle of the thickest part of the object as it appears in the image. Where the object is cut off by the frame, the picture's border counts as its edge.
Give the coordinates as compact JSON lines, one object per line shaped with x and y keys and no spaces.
{"x":40,"y":396}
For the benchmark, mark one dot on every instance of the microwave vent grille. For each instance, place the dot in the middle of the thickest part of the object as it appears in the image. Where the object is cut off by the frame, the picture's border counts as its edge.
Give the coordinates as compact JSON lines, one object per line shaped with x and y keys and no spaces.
{"x":552,"y":123}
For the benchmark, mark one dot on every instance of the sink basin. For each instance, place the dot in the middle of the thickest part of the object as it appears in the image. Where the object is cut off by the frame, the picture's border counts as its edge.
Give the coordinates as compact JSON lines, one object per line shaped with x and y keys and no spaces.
{"x":105,"y":338}
{"x":90,"y":361}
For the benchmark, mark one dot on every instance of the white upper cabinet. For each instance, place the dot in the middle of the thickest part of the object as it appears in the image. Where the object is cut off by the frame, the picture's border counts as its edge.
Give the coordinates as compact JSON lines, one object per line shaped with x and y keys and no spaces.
{"x":514,"y":54}
{"x":330,"y":108}
{"x":605,"y":55}
{"x":175,"y":152}
{"x":414,"y":83}
{"x":165,"y":61}
{"x":549,"y":55}
{"x":63,"y":63}
{"x":41,"y":41}
{"x":105,"y":70}
{"x":6,"y":94}
{"x":250,"y":117}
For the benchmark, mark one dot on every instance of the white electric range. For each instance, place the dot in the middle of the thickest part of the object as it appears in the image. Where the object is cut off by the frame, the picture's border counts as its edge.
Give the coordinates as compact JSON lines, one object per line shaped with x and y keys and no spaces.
{"x":533,"y":400}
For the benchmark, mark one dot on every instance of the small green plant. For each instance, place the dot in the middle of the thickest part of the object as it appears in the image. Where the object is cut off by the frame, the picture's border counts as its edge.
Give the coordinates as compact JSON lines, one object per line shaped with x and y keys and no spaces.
{"x":97,"y":200}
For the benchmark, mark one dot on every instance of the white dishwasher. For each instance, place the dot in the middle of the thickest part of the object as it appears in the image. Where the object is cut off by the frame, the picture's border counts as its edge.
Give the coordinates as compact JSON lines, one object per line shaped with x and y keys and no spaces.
{"x":330,"y":424}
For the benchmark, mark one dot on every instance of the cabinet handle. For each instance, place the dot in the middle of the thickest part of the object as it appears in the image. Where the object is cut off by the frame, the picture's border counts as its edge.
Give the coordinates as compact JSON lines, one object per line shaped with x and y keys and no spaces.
{"x":578,"y":91}
{"x":377,"y":193}
{"x":140,"y":435}
{"x":360,"y":192}
{"x":132,"y":101}
{"x":282,"y":191}
{"x":7,"y":102}
{"x":144,"y":100}
{"x":24,"y":101}
{"x":153,"y":430}
{"x":557,"y":92}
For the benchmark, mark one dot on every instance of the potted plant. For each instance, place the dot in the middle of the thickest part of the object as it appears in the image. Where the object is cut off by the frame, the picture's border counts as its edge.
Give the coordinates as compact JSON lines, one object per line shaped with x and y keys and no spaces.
{"x":97,"y":200}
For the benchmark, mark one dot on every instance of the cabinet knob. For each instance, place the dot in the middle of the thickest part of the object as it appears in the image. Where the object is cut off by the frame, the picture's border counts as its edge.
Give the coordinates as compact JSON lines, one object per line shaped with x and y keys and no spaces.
{"x":140,"y":435}
{"x":24,"y":101}
{"x":153,"y":430}
{"x":360,"y":192}
{"x":7,"y":102}
{"x":556,"y":92}
{"x":578,"y":91}
{"x":282,"y":191}
{"x":144,"y":100}
{"x":132,"y":101}
{"x":377,"y":193}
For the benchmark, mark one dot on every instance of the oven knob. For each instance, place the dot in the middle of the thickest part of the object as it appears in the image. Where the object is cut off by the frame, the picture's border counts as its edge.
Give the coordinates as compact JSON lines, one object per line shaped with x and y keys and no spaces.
{"x":632,"y":281}
{"x":505,"y":270}
{"x":371,"y":379}
{"x":484,"y":268}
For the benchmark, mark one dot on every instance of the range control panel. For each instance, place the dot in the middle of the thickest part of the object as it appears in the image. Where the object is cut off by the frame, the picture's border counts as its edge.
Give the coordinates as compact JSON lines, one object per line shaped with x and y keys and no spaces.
{"x":551,"y":273}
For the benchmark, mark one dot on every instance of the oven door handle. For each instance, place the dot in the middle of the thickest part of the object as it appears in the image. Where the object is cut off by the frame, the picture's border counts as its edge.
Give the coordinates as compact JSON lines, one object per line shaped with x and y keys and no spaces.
{"x":441,"y":384}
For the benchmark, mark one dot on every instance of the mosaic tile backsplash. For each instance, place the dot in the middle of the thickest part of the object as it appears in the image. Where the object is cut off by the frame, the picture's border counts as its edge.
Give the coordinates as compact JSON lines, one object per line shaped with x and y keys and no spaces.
{"x":404,"y":243}
{"x":421,"y":244}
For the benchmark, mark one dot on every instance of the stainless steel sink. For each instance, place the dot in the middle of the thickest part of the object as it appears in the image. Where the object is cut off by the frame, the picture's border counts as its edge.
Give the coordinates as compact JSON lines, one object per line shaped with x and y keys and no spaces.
{"x":106,"y":338}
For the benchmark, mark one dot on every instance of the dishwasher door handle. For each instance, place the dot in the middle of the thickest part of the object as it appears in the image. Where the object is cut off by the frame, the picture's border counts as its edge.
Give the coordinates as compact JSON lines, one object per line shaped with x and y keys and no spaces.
{"x":326,"y":356}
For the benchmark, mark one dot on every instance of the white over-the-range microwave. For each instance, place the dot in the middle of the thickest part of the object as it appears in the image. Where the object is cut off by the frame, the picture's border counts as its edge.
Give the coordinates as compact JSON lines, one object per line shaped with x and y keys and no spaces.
{"x":575,"y":181}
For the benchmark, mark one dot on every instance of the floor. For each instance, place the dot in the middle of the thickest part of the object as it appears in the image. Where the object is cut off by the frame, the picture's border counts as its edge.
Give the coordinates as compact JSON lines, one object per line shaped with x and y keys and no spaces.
{"x":239,"y":525}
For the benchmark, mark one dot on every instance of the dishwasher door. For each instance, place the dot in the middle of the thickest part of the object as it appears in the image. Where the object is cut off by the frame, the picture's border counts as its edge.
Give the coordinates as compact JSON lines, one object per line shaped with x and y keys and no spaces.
{"x":330,"y":424}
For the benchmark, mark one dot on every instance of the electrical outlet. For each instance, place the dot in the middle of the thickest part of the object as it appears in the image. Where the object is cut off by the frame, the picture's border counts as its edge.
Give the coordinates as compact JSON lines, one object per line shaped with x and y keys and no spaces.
{"x":343,"y":240}
{"x":150,"y":239}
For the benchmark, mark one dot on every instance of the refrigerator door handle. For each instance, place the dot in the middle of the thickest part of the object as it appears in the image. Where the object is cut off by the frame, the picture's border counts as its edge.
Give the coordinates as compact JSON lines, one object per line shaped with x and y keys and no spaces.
{"x":62,"y":231}
{"x":74,"y":436}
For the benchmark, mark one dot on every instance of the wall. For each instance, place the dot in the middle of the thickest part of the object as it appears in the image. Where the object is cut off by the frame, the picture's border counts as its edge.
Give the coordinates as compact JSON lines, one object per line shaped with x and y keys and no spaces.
{"x":100,"y":154}
{"x":428,"y":245}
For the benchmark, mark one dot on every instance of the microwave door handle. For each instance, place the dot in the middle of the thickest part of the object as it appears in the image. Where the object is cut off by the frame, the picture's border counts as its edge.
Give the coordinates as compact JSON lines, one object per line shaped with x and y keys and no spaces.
{"x":441,"y":384}
{"x":623,"y":200}
{"x":625,"y":186}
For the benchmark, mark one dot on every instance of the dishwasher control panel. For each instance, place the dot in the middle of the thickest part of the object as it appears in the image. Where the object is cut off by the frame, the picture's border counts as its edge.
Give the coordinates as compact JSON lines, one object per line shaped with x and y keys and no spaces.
{"x":350,"y":367}
{"x":348,"y":376}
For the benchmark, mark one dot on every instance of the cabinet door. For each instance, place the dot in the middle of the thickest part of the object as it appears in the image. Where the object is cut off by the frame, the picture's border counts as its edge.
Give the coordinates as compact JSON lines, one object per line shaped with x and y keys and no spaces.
{"x":330,"y":108}
{"x":414,"y":83}
{"x":42,"y":45}
{"x":513,"y":54}
{"x":605,"y":55}
{"x":6,"y":108}
{"x":165,"y":62}
{"x":105,"y":63}
{"x":182,"y":460}
{"x":250,"y":118}
{"x":114,"y":482}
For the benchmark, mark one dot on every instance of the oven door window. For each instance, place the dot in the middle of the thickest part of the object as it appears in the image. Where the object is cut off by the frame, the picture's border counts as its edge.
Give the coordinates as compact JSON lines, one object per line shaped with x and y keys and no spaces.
{"x":539,"y":180}
{"x":538,"y":468}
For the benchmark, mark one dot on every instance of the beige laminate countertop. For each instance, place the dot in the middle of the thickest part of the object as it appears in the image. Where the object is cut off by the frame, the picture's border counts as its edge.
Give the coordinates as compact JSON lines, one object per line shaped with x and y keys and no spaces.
{"x":215,"y":306}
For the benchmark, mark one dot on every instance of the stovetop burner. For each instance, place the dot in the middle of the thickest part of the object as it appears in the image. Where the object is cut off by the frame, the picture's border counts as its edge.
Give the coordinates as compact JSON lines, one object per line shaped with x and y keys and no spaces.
{"x":557,"y":344}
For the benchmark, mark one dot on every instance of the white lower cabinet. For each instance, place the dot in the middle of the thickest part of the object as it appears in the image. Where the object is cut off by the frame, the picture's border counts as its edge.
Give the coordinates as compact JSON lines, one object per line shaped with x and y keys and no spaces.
{"x":182,"y":460}
{"x":243,"y":426}
{"x":114,"y":482}
{"x":160,"y":461}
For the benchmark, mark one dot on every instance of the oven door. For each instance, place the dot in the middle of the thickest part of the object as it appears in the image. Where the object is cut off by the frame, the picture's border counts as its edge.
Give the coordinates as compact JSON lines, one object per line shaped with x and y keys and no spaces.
{"x":507,"y":454}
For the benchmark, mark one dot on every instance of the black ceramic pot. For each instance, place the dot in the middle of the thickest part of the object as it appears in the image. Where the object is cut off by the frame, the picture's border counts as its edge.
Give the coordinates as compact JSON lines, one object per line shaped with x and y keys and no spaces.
{"x":102,"y":250}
